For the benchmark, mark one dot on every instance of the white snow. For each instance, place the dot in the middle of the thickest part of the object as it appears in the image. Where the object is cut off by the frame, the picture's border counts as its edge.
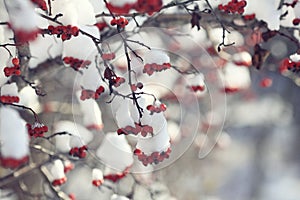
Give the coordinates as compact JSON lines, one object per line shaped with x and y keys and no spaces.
{"x":13,"y":133}
{"x":22,"y":15}
{"x":57,"y":170}
{"x":97,"y":174}
{"x":9,"y":89}
{"x":159,"y":142}
{"x":156,"y":56}
{"x":112,"y":149}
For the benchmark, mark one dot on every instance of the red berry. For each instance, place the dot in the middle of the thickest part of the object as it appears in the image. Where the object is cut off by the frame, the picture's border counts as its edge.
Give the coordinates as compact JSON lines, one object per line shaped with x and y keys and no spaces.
{"x":15,"y":61}
{"x":140,"y":85}
{"x":100,"y":90}
{"x":51,"y":28}
{"x":64,"y":37}
{"x":74,"y":31}
{"x":150,"y":107}
{"x":266,"y":82}
{"x":163,"y":107}
{"x":18,"y":72}
{"x":296,"y":21}
{"x":7,"y":71}
{"x":133,"y":87}
{"x":113,"y":22}
{"x":137,"y":152}
{"x":122,"y":22}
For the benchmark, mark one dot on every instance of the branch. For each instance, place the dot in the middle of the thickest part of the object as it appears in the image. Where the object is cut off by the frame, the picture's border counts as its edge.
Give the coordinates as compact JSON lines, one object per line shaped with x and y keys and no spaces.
{"x":25,"y":108}
{"x":56,"y":190}
{"x":222,"y":25}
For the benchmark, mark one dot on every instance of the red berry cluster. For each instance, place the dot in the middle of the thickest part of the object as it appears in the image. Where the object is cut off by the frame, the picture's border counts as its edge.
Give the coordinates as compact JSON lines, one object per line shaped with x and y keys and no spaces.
{"x":234,"y":6}
{"x":155,"y":157}
{"x":117,"y":81}
{"x":9,"y":99}
{"x":72,"y":196}
{"x":108,"y":56}
{"x":65,"y":32}
{"x":230,"y":90}
{"x":150,"y":68}
{"x":249,"y":17}
{"x":196,"y":88}
{"x":60,"y":181}
{"x":291,"y":65}
{"x":113,"y":78}
{"x":68,"y":168}
{"x":90,"y":94}
{"x":79,"y":152}
{"x":97,"y":183}
{"x":143,"y":129}
{"x":76,"y":63}
{"x":120,"y":10}
{"x":13,"y":163}
{"x":157,"y":109}
{"x":120,"y":22}
{"x":15,"y":70}
{"x":139,"y":85}
{"x":148,"y":6}
{"x":23,"y":36}
{"x":36,"y":130}
{"x":116,"y":177}
{"x":41,"y":4}
{"x":101,"y":25}
{"x":296,"y":21}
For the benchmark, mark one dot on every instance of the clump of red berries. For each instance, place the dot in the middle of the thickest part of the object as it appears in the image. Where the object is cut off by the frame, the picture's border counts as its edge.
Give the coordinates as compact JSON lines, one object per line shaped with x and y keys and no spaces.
{"x":79,"y":152}
{"x":90,"y":94}
{"x":136,"y":86}
{"x":120,"y":9}
{"x":113,"y":79}
{"x":148,"y":6}
{"x":153,"y":158}
{"x":118,"y":176}
{"x":60,"y":181}
{"x":13,"y":163}
{"x":296,"y":21}
{"x":120,"y":22}
{"x":293,"y":66}
{"x":234,"y":6}
{"x":101,"y":25}
{"x":143,"y":129}
{"x":151,"y":68}
{"x":196,"y":88}
{"x":249,"y":17}
{"x":41,"y":4}
{"x":108,"y":56}
{"x":117,"y":81}
{"x":230,"y":90}
{"x":64,"y":32}
{"x":76,"y":63}
{"x":9,"y":99}
{"x":23,"y":36}
{"x":37,"y":129}
{"x":14,"y":70}
{"x":157,"y":108}
{"x":68,"y":167}
{"x":97,"y":182}
{"x":72,"y":196}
